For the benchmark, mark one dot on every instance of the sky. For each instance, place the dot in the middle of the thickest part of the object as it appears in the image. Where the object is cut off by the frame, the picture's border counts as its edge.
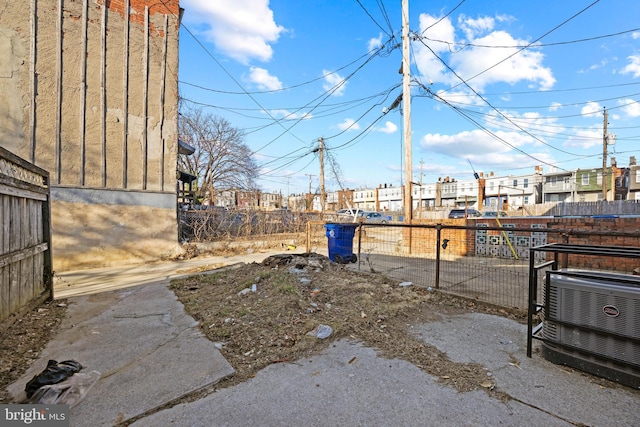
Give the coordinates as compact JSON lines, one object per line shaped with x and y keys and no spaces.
{"x":497,"y":86}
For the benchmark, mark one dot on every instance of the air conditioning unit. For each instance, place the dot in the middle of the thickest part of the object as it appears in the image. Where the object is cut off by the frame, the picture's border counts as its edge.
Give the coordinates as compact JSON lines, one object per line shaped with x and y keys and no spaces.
{"x":592,"y":323}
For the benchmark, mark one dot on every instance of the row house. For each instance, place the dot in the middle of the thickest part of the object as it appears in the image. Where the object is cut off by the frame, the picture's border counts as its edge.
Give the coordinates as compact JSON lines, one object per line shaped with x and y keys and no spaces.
{"x":633,"y":180}
{"x":513,"y":191}
{"x":469,"y":193}
{"x":590,"y":185}
{"x":390,"y":198}
{"x":486,"y":192}
{"x":559,"y":187}
{"x":365,"y":199}
{"x":448,"y":191}
{"x":426,"y":196}
{"x":270,"y":201}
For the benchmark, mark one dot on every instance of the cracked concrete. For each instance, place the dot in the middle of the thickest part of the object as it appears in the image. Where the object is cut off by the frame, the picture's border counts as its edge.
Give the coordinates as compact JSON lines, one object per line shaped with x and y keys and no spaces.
{"x":150,"y":354}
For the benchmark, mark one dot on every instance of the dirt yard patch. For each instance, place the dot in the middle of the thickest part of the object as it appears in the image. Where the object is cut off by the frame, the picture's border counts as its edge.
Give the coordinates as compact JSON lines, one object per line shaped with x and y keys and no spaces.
{"x":273,"y":312}
{"x":296,"y":297}
{"x":22,"y":340}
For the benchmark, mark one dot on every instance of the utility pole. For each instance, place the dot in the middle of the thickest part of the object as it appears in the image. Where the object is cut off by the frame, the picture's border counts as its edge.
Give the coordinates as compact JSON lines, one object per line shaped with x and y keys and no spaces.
{"x":310,"y":176}
{"x":322,"y":190}
{"x":309,"y":201}
{"x":604,"y":156}
{"x":420,"y":198}
{"x":406,"y":105}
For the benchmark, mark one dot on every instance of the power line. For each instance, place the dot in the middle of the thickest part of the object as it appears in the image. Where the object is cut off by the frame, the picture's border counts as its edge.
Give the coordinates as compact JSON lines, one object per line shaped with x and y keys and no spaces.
{"x":524,"y":47}
{"x":587,"y":39}
{"x":464,"y":82}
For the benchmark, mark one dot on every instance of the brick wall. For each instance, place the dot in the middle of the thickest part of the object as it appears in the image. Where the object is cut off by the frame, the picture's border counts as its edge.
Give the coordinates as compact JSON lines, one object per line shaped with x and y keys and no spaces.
{"x":623,"y":231}
{"x":137,"y":7}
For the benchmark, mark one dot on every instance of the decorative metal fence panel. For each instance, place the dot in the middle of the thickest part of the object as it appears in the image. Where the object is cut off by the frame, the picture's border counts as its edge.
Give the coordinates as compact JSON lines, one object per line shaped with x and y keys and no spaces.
{"x":25,"y":240}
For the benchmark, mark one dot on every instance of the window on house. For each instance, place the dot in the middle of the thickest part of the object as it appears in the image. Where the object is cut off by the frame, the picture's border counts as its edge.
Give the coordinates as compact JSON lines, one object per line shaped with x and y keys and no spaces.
{"x":515,"y":182}
{"x":526,"y":200}
{"x":526,"y":183}
{"x":585,"y":179}
{"x":599,"y":178}
{"x":553,"y":181}
{"x":491,"y":185}
{"x":637,"y":175}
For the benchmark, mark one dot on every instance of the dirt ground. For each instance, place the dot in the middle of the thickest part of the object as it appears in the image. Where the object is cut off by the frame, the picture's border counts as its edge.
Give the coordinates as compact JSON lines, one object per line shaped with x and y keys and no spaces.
{"x":277,"y":311}
{"x":23,"y":338}
{"x":273,"y":312}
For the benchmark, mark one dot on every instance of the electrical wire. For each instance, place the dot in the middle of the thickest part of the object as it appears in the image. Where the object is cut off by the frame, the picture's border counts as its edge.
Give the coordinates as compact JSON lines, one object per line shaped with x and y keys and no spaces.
{"x":465,"y":82}
{"x":537,"y":45}
{"x":373,"y":19}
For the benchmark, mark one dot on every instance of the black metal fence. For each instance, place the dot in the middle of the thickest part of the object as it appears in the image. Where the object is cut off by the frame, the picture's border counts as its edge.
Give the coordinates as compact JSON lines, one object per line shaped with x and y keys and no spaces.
{"x":480,"y":260}
{"x":490,"y":264}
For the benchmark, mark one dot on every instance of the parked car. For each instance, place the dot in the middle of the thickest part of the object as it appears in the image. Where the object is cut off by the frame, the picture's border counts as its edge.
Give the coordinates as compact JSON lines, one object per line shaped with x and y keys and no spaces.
{"x":349,"y":212}
{"x":373,"y":217}
{"x":464,"y":213}
{"x":493,"y":214}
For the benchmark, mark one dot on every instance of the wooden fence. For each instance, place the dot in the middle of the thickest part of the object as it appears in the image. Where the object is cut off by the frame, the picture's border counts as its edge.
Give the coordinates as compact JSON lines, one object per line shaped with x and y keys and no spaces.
{"x":26,"y":276}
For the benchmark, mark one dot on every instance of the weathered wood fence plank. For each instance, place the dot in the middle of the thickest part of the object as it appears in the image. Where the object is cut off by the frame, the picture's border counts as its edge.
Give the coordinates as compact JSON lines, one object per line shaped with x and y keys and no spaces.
{"x":25,"y":239}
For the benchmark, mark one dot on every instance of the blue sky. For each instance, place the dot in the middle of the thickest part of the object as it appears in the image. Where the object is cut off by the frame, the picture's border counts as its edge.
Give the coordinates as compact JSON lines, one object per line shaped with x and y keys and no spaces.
{"x":499,"y":85}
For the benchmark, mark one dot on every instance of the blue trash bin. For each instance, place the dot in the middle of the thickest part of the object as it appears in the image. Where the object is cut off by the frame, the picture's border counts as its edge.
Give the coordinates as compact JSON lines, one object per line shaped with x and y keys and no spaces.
{"x":340,"y":242}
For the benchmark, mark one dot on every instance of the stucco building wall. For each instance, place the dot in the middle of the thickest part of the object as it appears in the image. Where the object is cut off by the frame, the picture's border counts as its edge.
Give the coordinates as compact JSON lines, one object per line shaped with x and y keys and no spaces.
{"x":88,"y":91}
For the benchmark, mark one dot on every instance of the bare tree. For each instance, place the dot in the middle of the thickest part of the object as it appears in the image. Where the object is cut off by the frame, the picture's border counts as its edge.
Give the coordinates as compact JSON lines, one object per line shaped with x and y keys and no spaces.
{"x":221,"y":159}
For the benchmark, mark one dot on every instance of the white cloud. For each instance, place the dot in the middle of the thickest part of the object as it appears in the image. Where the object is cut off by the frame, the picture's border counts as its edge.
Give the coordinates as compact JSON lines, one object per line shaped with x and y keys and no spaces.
{"x":630,"y":107}
{"x":472,"y":27}
{"x":633,"y":67}
{"x":241,"y":29}
{"x":441,"y":36}
{"x":591,"y":108}
{"x":348,"y":124}
{"x":286,"y":114}
{"x":334,"y":83}
{"x":525,"y":65}
{"x":474,"y":142}
{"x":555,"y":106}
{"x":375,"y":43}
{"x":531,"y":122}
{"x":635,"y":35}
{"x":263,"y":79}
{"x":584,"y":139}
{"x":388,"y":128}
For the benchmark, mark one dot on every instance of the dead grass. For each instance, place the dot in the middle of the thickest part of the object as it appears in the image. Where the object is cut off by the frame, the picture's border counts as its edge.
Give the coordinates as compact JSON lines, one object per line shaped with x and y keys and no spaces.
{"x":22,"y":339}
{"x":295,"y":294}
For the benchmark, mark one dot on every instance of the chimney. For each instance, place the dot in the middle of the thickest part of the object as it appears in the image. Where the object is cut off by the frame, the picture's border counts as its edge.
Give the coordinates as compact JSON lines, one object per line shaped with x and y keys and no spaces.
{"x":632,"y":161}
